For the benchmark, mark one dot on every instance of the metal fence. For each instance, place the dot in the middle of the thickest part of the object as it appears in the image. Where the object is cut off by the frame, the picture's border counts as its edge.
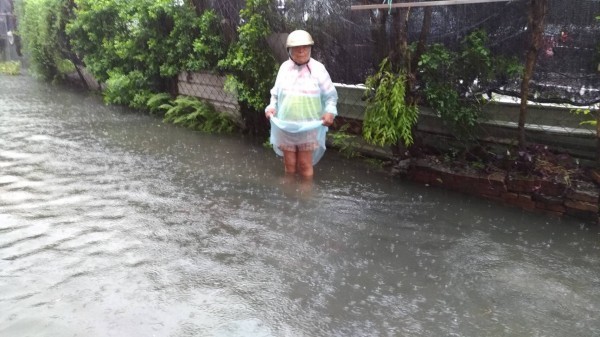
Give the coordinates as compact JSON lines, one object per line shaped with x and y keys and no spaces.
{"x":555,"y":126}
{"x":351,"y":40}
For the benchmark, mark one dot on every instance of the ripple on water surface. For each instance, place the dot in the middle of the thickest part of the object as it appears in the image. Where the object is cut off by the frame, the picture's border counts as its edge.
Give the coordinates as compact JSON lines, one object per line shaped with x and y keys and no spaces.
{"x":113,"y":223}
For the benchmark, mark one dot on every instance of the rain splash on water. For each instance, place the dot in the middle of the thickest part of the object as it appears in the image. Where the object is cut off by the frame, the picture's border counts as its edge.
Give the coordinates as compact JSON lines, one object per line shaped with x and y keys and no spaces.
{"x":115,"y":224}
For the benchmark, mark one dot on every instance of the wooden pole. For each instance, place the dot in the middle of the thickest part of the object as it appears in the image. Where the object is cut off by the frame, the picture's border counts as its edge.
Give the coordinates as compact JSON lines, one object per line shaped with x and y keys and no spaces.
{"x":425,"y":4}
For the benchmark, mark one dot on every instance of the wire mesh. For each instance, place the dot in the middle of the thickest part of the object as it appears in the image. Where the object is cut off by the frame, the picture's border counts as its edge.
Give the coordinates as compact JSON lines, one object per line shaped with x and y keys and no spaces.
{"x":352,"y":43}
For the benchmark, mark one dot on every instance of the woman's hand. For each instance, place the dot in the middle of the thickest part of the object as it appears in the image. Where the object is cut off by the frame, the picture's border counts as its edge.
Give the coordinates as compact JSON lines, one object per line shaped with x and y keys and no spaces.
{"x":270,"y":112}
{"x":328,"y":119}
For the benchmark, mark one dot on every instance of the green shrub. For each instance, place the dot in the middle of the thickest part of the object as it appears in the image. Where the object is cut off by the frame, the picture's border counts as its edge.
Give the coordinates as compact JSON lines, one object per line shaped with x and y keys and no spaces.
{"x":127,"y":89}
{"x":346,"y":143}
{"x":41,"y":28}
{"x":209,"y":47}
{"x":454,"y":81}
{"x":138,"y":46}
{"x":10,"y":68}
{"x":389,"y":119}
{"x":197,"y":115}
{"x":155,"y":103}
{"x":588,"y":113}
{"x":249,"y":62}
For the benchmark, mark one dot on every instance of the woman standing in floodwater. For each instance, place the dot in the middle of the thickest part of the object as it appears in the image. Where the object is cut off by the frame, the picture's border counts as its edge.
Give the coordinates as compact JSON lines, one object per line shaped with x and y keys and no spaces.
{"x":303,"y":106}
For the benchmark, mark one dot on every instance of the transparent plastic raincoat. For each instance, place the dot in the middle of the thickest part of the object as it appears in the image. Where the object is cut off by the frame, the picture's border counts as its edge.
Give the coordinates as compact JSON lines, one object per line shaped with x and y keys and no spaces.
{"x":301,"y":95}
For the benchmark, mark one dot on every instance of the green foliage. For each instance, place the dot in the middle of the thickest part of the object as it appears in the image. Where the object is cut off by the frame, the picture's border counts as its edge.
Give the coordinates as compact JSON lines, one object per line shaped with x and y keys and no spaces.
{"x":252,"y":67}
{"x":143,"y":43}
{"x":156,"y":101}
{"x":127,"y":89}
{"x":388,"y":117}
{"x":97,"y":33}
{"x":453,"y":81}
{"x":197,"y":115}
{"x":41,"y":28}
{"x":209,"y":47}
{"x":585,"y":112}
{"x":345,"y":142}
{"x":10,"y":68}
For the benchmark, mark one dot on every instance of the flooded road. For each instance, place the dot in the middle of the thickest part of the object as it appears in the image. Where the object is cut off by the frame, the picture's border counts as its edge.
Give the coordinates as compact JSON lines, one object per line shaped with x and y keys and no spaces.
{"x":115,"y":224}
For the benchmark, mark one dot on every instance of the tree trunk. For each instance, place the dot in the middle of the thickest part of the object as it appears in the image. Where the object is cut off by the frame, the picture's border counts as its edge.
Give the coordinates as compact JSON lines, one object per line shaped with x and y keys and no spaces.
{"x":412,"y":97}
{"x":597,"y":138}
{"x":200,"y":6}
{"x":422,"y":44}
{"x":535,"y":25}
{"x":399,"y":56}
{"x":84,"y":82}
{"x":421,"y":47}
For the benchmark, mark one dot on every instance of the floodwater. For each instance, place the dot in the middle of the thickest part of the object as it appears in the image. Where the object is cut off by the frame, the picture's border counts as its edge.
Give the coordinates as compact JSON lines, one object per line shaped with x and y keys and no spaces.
{"x":115,"y":224}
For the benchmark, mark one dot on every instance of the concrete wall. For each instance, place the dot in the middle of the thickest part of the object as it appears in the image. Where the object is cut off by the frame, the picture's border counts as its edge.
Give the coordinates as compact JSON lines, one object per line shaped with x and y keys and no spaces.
{"x":555,"y":126}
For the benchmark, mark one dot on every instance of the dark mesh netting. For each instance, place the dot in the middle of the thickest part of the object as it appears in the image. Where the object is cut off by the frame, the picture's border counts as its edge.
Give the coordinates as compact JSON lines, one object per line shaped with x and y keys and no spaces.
{"x":351,"y":43}
{"x":569,"y":64}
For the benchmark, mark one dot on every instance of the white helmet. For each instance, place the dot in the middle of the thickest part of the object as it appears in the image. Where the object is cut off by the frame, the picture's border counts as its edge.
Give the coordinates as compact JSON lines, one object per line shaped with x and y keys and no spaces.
{"x":299,"y":38}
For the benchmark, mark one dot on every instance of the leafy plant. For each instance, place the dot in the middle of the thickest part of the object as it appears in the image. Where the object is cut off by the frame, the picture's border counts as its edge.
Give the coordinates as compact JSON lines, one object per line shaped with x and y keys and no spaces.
{"x":345,"y":142}
{"x":157,"y":101}
{"x":127,"y":89}
{"x":209,"y":47}
{"x":10,"y":68}
{"x":388,"y":117}
{"x":41,"y":28}
{"x":452,"y":82}
{"x":143,"y":44}
{"x":251,"y":66}
{"x":585,"y":112}
{"x":197,"y":115}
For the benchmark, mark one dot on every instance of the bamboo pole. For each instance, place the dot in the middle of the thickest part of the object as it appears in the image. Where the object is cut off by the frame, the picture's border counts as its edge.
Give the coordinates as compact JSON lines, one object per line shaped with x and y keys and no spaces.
{"x":425,"y":4}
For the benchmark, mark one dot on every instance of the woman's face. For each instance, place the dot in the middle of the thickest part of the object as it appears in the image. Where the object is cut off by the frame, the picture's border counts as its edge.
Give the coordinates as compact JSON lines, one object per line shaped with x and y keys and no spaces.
{"x":300,"y":54}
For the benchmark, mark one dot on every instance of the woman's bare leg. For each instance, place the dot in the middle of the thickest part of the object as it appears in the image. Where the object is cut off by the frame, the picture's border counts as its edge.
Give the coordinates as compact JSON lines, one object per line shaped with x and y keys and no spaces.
{"x":289,"y":161}
{"x":298,"y":162}
{"x":304,"y":164}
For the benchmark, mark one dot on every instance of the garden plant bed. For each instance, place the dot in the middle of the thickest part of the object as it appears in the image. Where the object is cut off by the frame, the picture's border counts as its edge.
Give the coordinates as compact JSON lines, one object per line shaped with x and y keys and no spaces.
{"x":537,"y":178}
{"x":533,"y":180}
